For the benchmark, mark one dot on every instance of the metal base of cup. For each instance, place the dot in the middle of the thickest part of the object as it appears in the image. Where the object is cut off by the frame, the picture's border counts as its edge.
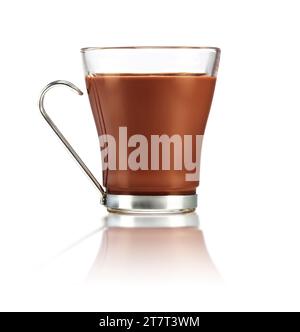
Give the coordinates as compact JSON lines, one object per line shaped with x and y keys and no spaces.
{"x":151,"y":204}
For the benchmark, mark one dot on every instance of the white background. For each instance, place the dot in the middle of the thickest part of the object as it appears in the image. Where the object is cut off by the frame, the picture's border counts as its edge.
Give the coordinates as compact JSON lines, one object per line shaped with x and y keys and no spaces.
{"x":249,"y":193}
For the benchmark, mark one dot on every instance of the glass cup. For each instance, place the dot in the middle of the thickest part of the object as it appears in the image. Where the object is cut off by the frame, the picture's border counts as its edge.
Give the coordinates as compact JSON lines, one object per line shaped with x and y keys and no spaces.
{"x":150,"y":106}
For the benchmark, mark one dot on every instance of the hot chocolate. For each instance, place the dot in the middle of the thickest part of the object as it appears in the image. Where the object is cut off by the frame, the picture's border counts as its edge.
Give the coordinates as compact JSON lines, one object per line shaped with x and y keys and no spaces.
{"x":171,"y":106}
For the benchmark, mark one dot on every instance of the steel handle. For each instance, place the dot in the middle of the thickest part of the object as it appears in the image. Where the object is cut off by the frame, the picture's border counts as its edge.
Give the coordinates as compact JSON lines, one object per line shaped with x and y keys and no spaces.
{"x":62,"y":137}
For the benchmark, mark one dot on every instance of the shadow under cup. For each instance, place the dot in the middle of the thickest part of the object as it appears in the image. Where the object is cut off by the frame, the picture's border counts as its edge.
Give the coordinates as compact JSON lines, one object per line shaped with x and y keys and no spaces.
{"x":150,"y":106}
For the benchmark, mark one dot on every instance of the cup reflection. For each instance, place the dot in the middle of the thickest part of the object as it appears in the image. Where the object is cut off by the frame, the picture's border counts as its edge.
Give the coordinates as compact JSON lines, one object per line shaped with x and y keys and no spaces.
{"x":156,"y":247}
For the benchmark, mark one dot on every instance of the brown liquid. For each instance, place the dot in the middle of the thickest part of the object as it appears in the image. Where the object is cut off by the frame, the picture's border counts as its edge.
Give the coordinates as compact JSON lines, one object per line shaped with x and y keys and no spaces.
{"x":150,"y":104}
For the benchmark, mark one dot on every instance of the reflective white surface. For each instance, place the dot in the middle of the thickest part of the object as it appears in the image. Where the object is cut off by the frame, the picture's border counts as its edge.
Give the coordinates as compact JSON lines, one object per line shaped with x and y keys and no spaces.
{"x":148,"y":248}
{"x":153,"y":248}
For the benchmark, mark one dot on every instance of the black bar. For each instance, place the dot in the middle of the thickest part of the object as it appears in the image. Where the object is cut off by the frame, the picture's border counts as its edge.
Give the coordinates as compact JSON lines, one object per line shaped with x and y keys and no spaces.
{"x":103,"y":321}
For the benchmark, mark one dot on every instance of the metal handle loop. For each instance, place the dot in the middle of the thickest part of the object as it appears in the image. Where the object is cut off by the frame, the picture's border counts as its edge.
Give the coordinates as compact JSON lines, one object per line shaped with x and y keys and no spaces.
{"x":62,"y":137}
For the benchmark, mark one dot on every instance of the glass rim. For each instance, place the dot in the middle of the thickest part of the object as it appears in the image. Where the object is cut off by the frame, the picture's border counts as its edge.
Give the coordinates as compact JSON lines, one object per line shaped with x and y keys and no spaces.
{"x":90,"y":49}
